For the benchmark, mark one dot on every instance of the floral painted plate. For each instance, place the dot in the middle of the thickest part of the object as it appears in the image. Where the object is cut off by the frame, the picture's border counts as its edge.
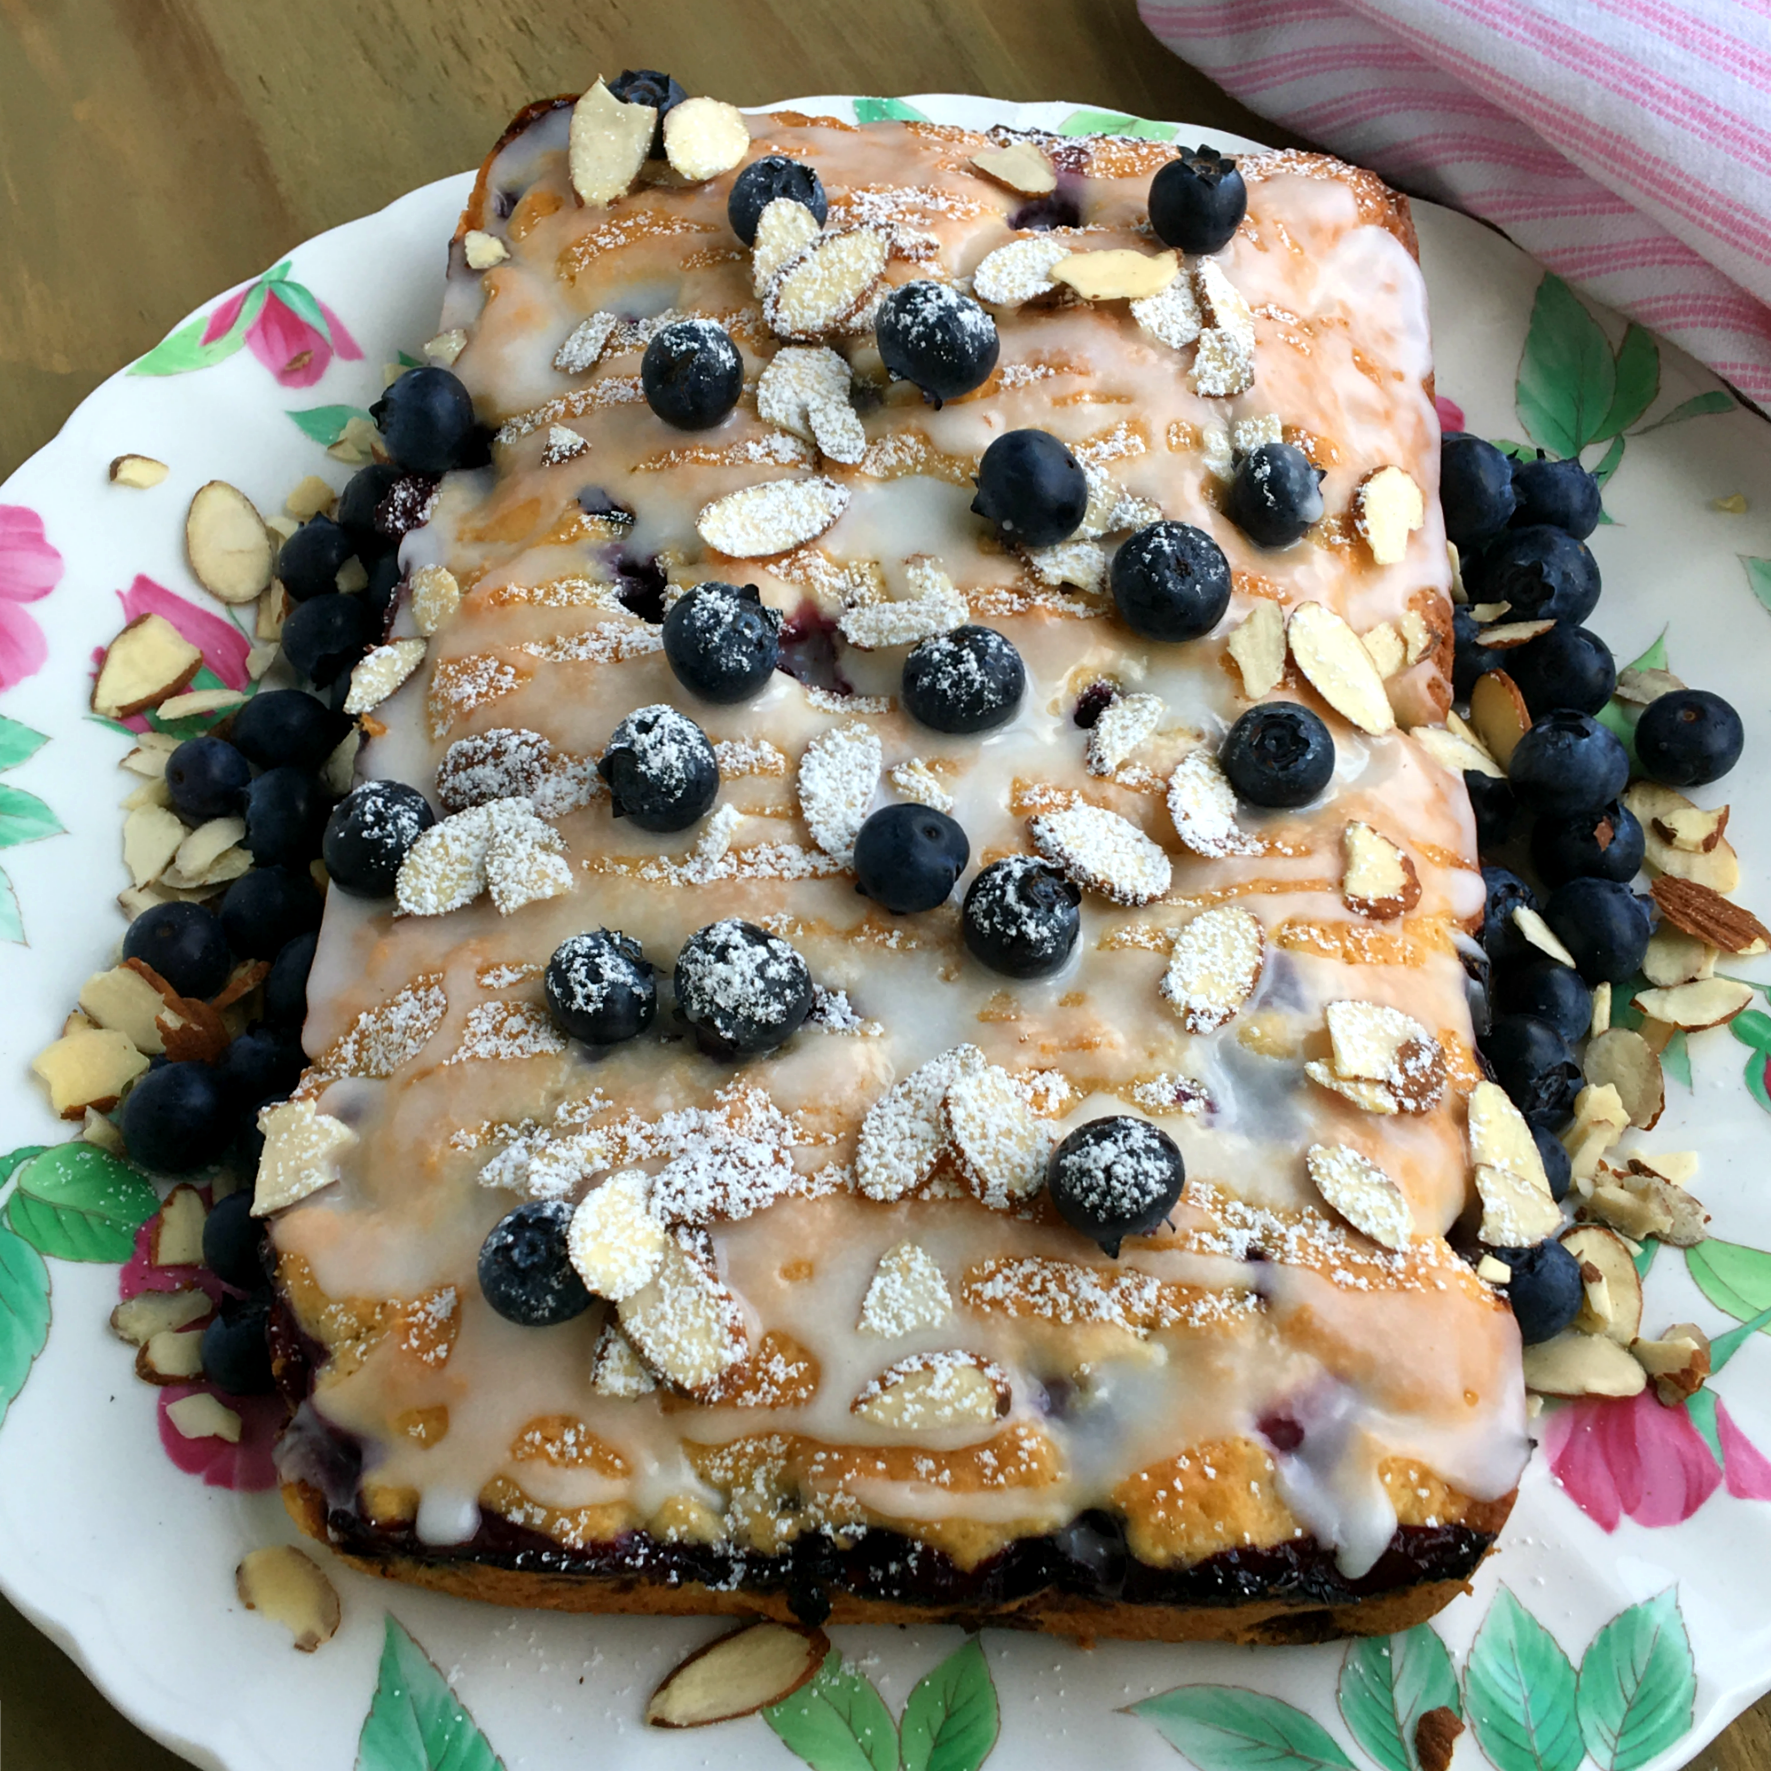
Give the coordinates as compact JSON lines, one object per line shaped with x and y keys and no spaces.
{"x":1624,"y":1619}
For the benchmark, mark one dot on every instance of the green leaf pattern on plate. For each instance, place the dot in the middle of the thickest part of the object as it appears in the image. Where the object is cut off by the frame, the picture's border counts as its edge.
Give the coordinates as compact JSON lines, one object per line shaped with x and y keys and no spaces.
{"x":1115,"y":123}
{"x":1638,"y":1686}
{"x":837,"y":1722}
{"x":882,"y":110}
{"x":80,"y":1203}
{"x":23,"y":817}
{"x":325,"y":424}
{"x":1758,"y":577}
{"x":1387,"y":1684}
{"x":415,"y":1722}
{"x":1519,"y":1692}
{"x":1567,"y":375}
{"x":1225,"y":1728}
{"x":951,"y":1720}
{"x":1733,"y":1277}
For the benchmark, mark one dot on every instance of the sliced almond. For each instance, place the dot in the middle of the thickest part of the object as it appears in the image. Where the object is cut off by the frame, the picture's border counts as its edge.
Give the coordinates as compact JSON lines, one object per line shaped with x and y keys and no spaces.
{"x":123,"y":999}
{"x":616,"y":1370}
{"x":1632,"y":1212}
{"x":771,"y":517}
{"x":380,"y":672}
{"x":201,"y":1416}
{"x":141,"y":471}
{"x":825,"y":287}
{"x":150,"y":754}
{"x":1338,"y":667}
{"x":483,"y":250}
{"x":525,"y":857}
{"x":1706,"y":1002}
{"x":704,"y":137}
{"x":211,"y":855}
{"x":747,"y":1670}
{"x":1677,"y":1364}
{"x":563,"y":444}
{"x":608,"y":144}
{"x":1387,"y":508}
{"x":1202,"y":804}
{"x":1020,"y":166}
{"x":1573,"y":1364}
{"x":194,"y":702}
{"x":1675,"y":957}
{"x":907,"y":1294}
{"x":301,"y":1149}
{"x":934,"y":1392}
{"x":1362,"y":1193}
{"x":1368,"y":1097}
{"x":1613,"y":1305}
{"x":1641,"y":1203}
{"x":1508,"y":636}
{"x":783,"y":230}
{"x":176,"y":1237}
{"x":1457,"y":754}
{"x":152,"y":836}
{"x":1258,"y":646}
{"x":797,"y":379}
{"x":170,"y":1357}
{"x":683,"y":1321}
{"x":1214,"y":968}
{"x":871,"y":627}
{"x":89,"y":1067}
{"x":902,"y":1135}
{"x":1717,"y":867}
{"x":1117,"y":274}
{"x":1704,"y":913}
{"x":445,"y":868}
{"x":1384,"y":643}
{"x":1677,"y":1166}
{"x":1539,"y":934}
{"x":1640,"y":687}
{"x":1081,"y":564}
{"x":1695,"y":829}
{"x":1372,"y":1042}
{"x":149,"y":1313}
{"x":1001,"y":1144}
{"x":838,"y":778}
{"x":289,"y":1587}
{"x":616,"y":1244}
{"x":148,"y":661}
{"x":1599,"y":1121}
{"x":435,"y":597}
{"x":1172,"y":316}
{"x":1223,"y":364}
{"x":915,"y":780}
{"x":1499,"y":714}
{"x":1102,"y":852}
{"x":1125,"y":722}
{"x":1493,"y":1271}
{"x":1019,"y":272}
{"x":228,"y":545}
{"x":1378,"y":880}
{"x":1626,"y":1061}
{"x":1419,"y":637}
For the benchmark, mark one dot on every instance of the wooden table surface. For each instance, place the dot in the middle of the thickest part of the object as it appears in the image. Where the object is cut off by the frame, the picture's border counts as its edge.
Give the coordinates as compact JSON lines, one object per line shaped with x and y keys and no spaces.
{"x":153,"y":152}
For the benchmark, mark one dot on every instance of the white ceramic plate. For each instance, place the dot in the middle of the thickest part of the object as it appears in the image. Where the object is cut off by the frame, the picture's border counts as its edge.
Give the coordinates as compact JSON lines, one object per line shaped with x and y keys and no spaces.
{"x":1638,"y":1570}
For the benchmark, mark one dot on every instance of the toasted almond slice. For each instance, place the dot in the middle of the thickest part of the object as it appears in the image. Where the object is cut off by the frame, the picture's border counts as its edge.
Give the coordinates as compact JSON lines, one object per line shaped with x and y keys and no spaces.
{"x":1574,"y":1364}
{"x":771,"y":517}
{"x":301,"y":1149}
{"x":193,"y":702}
{"x":200,"y":1416}
{"x":141,"y":471}
{"x":1637,"y":1211}
{"x":1369,"y":1097}
{"x":1384,"y":643}
{"x":1495,"y":1272}
{"x":563,"y":444}
{"x":1118,"y":274}
{"x":615,"y":1243}
{"x":935,"y":1392}
{"x":1613,"y":1305}
{"x":483,"y":250}
{"x":616,"y":1370}
{"x":585,"y":343}
{"x":1499,"y":714}
{"x":446,"y":867}
{"x":1362,"y":1193}
{"x":838,"y":778}
{"x":1018,"y":272}
{"x":1387,"y":508}
{"x":1490,"y":612}
{"x":1601,"y":1021}
{"x":1419,"y":637}
{"x":380,"y":672}
{"x":1500,"y":1137}
{"x":1338,"y":667}
{"x":825,"y":287}
{"x":871,"y":627}
{"x":1599,"y":1121}
{"x":1677,"y":1364}
{"x":915,"y":780}
{"x":525,"y":857}
{"x":747,"y":1670}
{"x":141,"y":1318}
{"x":608,"y":144}
{"x":1640,"y":687}
{"x":1125,"y":722}
{"x":1457,"y":754}
{"x":1224,"y":362}
{"x":149,"y":793}
{"x":704,"y":137}
{"x":1378,"y":880}
{"x":229,"y":548}
{"x":175,"y":1238}
{"x":1203,"y":806}
{"x":1458,"y":593}
{"x":1172,"y":316}
{"x":902,"y":1133}
{"x":152,"y":836}
{"x":1676,"y":1166}
{"x":1258,"y":646}
{"x":1082,"y":564}
{"x":1706,"y":1002}
{"x":1377,"y":1043}
{"x":1508,"y":636}
{"x":683,"y":1321}
{"x":1515,"y":1213}
{"x":1626,"y":1061}
{"x":1214,"y":968}
{"x":783,"y":230}
{"x":1020,"y":166}
{"x":445,"y":347}
{"x":1675,"y":957}
{"x":435,"y":597}
{"x":288,"y":1586}
{"x":1103,"y":853}
{"x":906,"y":1294}
{"x":1717,"y":867}
{"x":1540,"y":935}
{"x":1001,"y":1143}
{"x":170,"y":1357}
{"x":1695,"y":829}
{"x":1705,"y":913}
{"x":148,"y":661}
{"x":797,"y":379}
{"x":88,"y":1067}
{"x":124,"y":1000}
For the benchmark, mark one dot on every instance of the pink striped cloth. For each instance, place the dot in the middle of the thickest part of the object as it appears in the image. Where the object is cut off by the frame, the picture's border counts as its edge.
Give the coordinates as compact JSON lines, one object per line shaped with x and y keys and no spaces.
{"x":1626,"y":144}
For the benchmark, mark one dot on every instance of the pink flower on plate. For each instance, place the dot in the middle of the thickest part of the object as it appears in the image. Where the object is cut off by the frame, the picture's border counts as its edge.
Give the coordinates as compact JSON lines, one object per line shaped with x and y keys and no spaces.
{"x":1630,"y":1457}
{"x":223,"y":646}
{"x":1745,"y":1469}
{"x":1451,"y":414}
{"x":295,"y":350}
{"x":29,"y":570}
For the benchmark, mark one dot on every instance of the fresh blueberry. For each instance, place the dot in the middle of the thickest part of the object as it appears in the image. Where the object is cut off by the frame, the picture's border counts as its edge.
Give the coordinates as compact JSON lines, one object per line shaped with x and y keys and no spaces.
{"x":692,"y":374}
{"x":1278,"y":754}
{"x":968,"y":680}
{"x":1475,"y":490}
{"x":1558,"y":1168}
{"x":426,"y":420}
{"x":1470,"y":659}
{"x":248,"y":1145}
{"x":1566,"y":667}
{"x":1506,"y":892}
{"x":1603,"y":924}
{"x":1275,"y":495}
{"x":742,"y":990}
{"x":1022,"y":918}
{"x":285,"y":990}
{"x":323,"y":638}
{"x":930,"y":334}
{"x":1115,"y":1177}
{"x":1546,"y":1289}
{"x":1550,"y":990}
{"x":233,"y":1242}
{"x":908,"y":858}
{"x":1540,"y":573}
{"x":1197,"y":200}
{"x":1606,"y":844}
{"x":646,"y":86}
{"x":1039,"y":215}
{"x":1567,"y":763}
{"x":526,"y":1274}
{"x":357,"y":505}
{"x":722,"y":641}
{"x":1560,"y":493}
{"x":1170,"y":582}
{"x":184,"y":944}
{"x":1535,"y":1065}
{"x":206,"y":777}
{"x":177,"y":1118}
{"x":285,"y":817}
{"x":377,"y":596}
{"x":308,"y":562}
{"x":236,"y":1347}
{"x":261,"y":1064}
{"x":761,"y":182}
{"x":286,"y":726}
{"x":1491,"y":799}
{"x":1688,"y":738}
{"x":264,"y":910}
{"x":600,"y":987}
{"x":660,"y":769}
{"x":370,"y":833}
{"x":1032,"y":488}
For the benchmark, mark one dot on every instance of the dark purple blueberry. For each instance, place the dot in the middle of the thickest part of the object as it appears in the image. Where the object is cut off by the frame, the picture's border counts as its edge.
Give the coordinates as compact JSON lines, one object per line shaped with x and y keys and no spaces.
{"x":322,"y":639}
{"x":264,"y":910}
{"x":237,"y":1349}
{"x":1278,"y":754}
{"x":692,"y":374}
{"x":1546,"y":1289}
{"x":357,"y":507}
{"x":406,"y":506}
{"x":722,"y":641}
{"x":762,"y":181}
{"x":285,"y":817}
{"x":426,"y":419}
{"x":184,"y":944}
{"x":1689,"y":738}
{"x":1022,"y":918}
{"x":1568,"y":667}
{"x":285,"y":990}
{"x":1560,"y":493}
{"x":1535,"y":1065}
{"x":233,"y":1242}
{"x":660,"y":769}
{"x":1567,"y":763}
{"x":1475,"y":490}
{"x":1606,"y":844}
{"x":1539,"y":573}
{"x":261,"y":1064}
{"x":742,"y":990}
{"x":1491,"y":799}
{"x":177,"y":1118}
{"x":308,"y":562}
{"x":280,"y":726}
{"x":600,"y":987}
{"x":526,"y":1275}
{"x":369,"y":834}
{"x":646,"y":86}
{"x":1032,"y":488}
{"x":1056,"y":209}
{"x":930,"y":334}
{"x":1550,"y":990}
{"x":206,"y":777}
{"x":968,"y":680}
{"x":1603,"y":924}
{"x":1470,"y":659}
{"x":1115,"y":1177}
{"x":1171,"y":582}
{"x":385,"y":579}
{"x":1558,"y":1168}
{"x":640,"y":585}
{"x":908,"y":858}
{"x":1197,"y":201}
{"x":1093,"y":702}
{"x":1501,"y":939}
{"x":1275,"y":496}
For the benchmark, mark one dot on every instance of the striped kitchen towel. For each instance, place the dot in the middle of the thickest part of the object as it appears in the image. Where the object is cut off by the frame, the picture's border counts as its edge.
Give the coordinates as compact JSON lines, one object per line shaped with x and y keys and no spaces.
{"x":1625,"y":144}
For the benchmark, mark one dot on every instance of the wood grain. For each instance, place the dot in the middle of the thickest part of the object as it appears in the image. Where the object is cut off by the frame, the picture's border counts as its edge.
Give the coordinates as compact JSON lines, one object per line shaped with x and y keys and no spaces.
{"x":152,"y":152}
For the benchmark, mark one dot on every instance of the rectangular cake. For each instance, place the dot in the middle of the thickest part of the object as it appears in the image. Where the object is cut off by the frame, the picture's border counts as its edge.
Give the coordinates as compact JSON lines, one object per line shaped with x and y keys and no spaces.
{"x":877,"y":1330}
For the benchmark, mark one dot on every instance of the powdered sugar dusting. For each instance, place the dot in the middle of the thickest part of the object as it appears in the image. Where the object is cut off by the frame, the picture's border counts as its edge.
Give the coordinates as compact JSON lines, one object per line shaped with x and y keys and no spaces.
{"x":504,"y":1031}
{"x":1103,"y":853}
{"x":771,"y":517}
{"x":838,"y":777}
{"x":1203,"y":805}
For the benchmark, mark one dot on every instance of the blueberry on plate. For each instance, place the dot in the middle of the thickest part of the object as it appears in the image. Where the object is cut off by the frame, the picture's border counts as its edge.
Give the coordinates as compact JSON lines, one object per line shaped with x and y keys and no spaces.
{"x":264,"y":910}
{"x":377,"y":596}
{"x":1535,"y":1065}
{"x":932,"y":335}
{"x":660,"y":769}
{"x":1022,"y":918}
{"x":908,"y":858}
{"x":526,"y":1274}
{"x":1170,"y":582}
{"x":1606,"y":844}
{"x":1032,"y":488}
{"x":1566,"y":667}
{"x":692,"y":374}
{"x":968,"y":680}
{"x":285,"y":817}
{"x":285,"y":989}
{"x":742,"y":990}
{"x":1548,"y":989}
{"x":1603,"y":925}
{"x":1558,"y":1167}
{"x":357,"y":505}
{"x":1540,"y":573}
{"x":1198,"y":200}
{"x":233,"y":1242}
{"x":1491,"y":799}
{"x":647,"y":86}
{"x":426,"y":420}
{"x":1278,"y":754}
{"x":1275,"y":496}
{"x":1566,"y":763}
{"x":600,"y":987}
{"x":1115,"y":1177}
{"x":308,"y":562}
{"x":1546,"y":1289}
{"x":761,"y":182}
{"x":370,"y":832}
{"x":182,"y":942}
{"x":722,"y":641}
{"x":236,"y":1347}
{"x":1506,"y":892}
{"x":206,"y":777}
{"x":177,"y":1118}
{"x":1560,"y":493}
{"x":1475,"y":490}
{"x":1688,"y":738}
{"x":286,"y":726}
{"x":1470,"y":659}
{"x":263,"y":1063}
{"x":323,"y":638}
